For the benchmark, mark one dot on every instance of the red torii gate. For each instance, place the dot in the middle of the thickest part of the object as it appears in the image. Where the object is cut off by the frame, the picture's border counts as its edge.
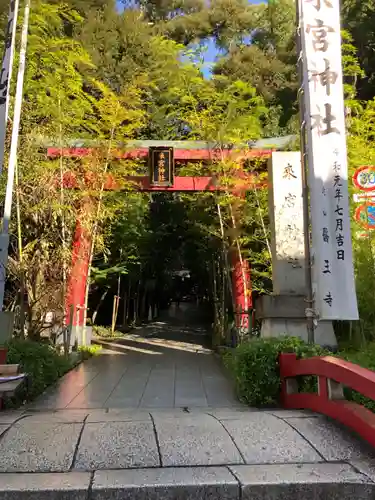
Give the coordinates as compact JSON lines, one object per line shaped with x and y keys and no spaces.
{"x":241,"y":279}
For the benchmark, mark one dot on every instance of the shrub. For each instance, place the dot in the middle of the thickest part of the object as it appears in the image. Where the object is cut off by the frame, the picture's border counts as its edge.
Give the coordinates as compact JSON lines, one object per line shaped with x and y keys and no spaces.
{"x":105,"y":332}
{"x":87,"y":352}
{"x":42,"y":363}
{"x":366,"y":359}
{"x":255,"y":368}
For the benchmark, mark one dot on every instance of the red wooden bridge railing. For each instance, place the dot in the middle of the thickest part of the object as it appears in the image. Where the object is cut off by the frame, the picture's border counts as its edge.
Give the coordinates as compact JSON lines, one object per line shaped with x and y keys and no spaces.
{"x":333,"y":375}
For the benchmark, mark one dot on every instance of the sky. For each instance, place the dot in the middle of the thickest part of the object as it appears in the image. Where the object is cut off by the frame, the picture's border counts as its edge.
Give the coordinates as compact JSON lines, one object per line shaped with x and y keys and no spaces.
{"x":212,"y":52}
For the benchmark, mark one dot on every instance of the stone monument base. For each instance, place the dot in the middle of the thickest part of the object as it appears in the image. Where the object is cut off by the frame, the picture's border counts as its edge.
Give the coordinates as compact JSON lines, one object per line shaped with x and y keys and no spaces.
{"x":285,"y":315}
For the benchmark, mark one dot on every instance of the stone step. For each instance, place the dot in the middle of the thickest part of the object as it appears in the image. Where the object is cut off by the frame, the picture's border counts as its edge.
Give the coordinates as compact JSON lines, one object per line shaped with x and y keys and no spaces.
{"x":318,"y":481}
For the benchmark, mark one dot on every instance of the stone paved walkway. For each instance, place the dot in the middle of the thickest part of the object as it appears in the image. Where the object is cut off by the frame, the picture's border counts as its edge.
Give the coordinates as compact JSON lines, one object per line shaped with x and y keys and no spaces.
{"x":147,"y":369}
{"x":155,"y":417}
{"x":170,"y":454}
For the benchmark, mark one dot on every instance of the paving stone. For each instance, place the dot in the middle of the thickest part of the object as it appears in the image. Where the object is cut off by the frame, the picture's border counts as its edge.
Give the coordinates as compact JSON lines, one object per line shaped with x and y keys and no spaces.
{"x":118,"y":415}
{"x":263,"y":438}
{"x":293,"y":413}
{"x":189,"y":389}
{"x":168,"y":413}
{"x":117,"y":445}
{"x":241,"y":412}
{"x":193,"y":483}
{"x":27,"y":447}
{"x":60,"y":416}
{"x":195,"y":440}
{"x":219,"y":391}
{"x":130,"y":389}
{"x":365,"y":466}
{"x":9,"y":417}
{"x":71,"y":486}
{"x":332,"y":442}
{"x":302,"y":482}
{"x":160,"y":388}
{"x":3,"y":428}
{"x":68,"y":387}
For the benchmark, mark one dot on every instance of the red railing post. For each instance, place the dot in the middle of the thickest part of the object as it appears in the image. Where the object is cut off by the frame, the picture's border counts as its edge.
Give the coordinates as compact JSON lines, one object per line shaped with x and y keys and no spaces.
{"x":287,"y":384}
{"x":333,"y":374}
{"x":322,"y":387}
{"x":3,"y":355}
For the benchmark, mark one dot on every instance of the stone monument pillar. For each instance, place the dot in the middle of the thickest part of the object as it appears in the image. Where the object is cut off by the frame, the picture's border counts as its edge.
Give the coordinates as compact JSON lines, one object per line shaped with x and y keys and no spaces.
{"x":284,"y":312}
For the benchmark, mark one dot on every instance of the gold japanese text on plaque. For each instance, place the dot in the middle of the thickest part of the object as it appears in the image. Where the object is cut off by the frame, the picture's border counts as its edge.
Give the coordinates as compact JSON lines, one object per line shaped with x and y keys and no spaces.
{"x":161,"y":166}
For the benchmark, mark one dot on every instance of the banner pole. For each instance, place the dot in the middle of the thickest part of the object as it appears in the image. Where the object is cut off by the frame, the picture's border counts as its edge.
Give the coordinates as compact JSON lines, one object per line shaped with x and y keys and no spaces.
{"x":305,"y":186}
{"x":4,"y":237}
{"x":6,"y":74}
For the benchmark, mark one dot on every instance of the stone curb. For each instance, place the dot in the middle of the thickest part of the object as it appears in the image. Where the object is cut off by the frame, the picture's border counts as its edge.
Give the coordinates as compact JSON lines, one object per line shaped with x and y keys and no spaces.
{"x":336,"y":481}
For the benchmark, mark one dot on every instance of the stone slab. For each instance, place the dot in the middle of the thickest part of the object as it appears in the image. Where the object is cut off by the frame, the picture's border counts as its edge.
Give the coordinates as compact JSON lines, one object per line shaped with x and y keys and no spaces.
{"x":74,"y":485}
{"x":59,"y":396}
{"x":220,"y":391}
{"x":285,"y":414}
{"x":9,"y":417}
{"x":365,"y":466}
{"x":27,"y":447}
{"x":263,"y":438}
{"x":118,"y":415}
{"x":195,"y":440}
{"x":302,"y":482}
{"x":4,"y":428}
{"x":117,"y":445}
{"x":196,"y":483}
{"x":230,"y":413}
{"x":160,"y":389}
{"x":281,"y":306}
{"x":129,"y":391}
{"x":324,"y":334}
{"x":62,"y":416}
{"x":285,"y":210}
{"x":331,"y":441}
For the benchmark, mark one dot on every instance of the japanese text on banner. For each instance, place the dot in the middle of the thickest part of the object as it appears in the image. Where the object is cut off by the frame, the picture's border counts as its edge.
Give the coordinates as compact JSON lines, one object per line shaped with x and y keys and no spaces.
{"x":333,"y":275}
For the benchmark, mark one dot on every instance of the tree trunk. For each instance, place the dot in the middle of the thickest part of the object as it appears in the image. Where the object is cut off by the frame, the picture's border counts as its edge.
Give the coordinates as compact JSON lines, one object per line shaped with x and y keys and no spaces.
{"x":125,"y":312}
{"x":101,"y":300}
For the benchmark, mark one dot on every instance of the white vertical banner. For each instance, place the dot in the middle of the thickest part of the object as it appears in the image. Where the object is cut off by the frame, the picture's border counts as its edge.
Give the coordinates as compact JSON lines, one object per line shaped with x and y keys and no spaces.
{"x":333,"y":274}
{"x":6,"y":74}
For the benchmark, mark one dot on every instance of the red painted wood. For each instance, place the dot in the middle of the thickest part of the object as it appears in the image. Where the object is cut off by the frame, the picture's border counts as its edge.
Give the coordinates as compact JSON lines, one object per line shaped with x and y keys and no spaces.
{"x":3,"y":355}
{"x":241,"y":289}
{"x":207,"y":183}
{"x":362,"y":380}
{"x":78,"y":276}
{"x":142,"y":183}
{"x":179,"y":154}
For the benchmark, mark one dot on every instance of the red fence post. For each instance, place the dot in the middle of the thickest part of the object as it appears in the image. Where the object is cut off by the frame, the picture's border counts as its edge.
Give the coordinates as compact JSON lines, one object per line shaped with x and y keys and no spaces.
{"x":286,"y":361}
{"x":3,"y":355}
{"x":333,"y":374}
